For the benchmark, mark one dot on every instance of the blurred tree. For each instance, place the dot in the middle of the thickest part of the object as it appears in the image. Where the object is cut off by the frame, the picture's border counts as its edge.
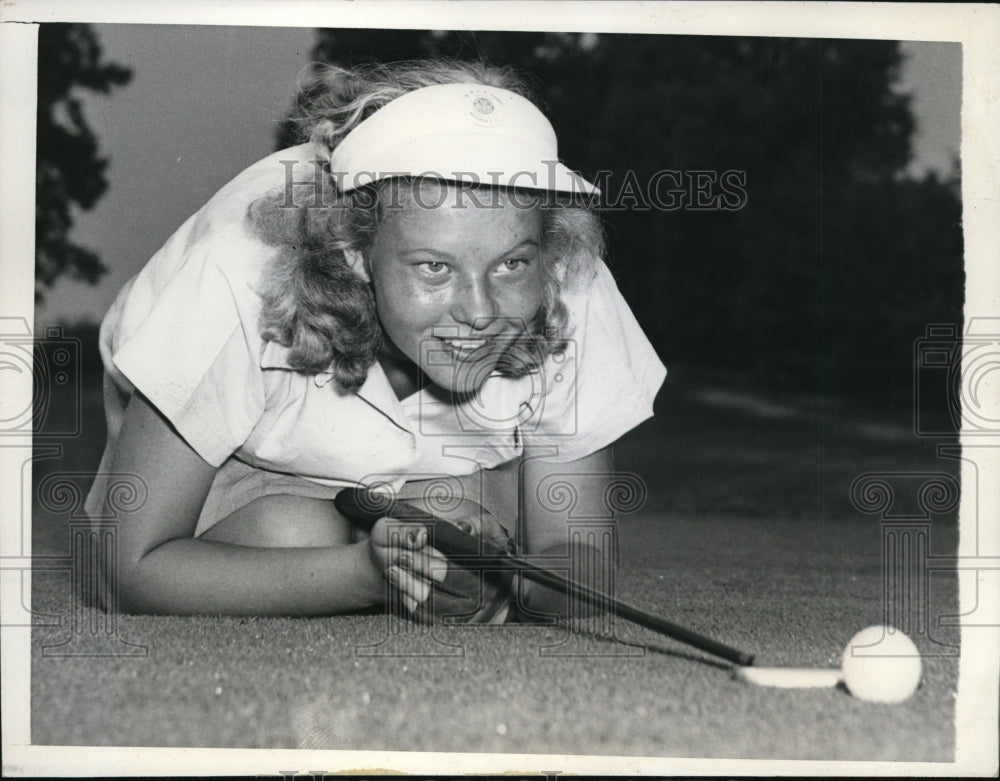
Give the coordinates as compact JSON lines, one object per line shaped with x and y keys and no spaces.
{"x":69,"y":170}
{"x":826,"y":274}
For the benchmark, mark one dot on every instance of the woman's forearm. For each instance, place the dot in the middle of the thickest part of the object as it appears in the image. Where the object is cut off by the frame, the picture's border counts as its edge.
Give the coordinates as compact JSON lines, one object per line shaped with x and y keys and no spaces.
{"x":190,"y":576}
{"x":163,"y":568}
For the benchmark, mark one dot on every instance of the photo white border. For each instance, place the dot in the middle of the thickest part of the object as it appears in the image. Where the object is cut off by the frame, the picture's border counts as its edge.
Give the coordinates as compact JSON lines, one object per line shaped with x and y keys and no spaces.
{"x":976,"y":27}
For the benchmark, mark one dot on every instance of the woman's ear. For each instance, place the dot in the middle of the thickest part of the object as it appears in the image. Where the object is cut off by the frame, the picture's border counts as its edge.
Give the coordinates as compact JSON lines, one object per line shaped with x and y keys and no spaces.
{"x":356,"y":261}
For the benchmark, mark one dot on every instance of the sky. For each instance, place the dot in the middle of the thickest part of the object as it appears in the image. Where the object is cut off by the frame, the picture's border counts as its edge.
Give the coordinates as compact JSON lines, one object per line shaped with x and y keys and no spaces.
{"x":203,"y":104}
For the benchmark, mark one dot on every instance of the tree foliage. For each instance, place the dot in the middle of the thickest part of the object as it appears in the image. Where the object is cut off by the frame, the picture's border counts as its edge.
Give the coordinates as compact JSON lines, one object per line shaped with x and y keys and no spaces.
{"x":69,"y":169}
{"x":836,"y":261}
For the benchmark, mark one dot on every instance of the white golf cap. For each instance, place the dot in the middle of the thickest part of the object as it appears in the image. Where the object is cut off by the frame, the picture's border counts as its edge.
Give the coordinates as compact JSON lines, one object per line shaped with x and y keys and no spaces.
{"x":456,"y":132}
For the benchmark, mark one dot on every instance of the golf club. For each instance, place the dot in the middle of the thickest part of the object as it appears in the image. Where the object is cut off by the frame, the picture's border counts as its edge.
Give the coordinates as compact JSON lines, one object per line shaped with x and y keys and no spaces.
{"x":365,"y":507}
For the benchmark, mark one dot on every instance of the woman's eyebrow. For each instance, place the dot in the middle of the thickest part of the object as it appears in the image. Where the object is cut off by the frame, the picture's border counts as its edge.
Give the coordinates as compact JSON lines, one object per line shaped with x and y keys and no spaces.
{"x":532,"y":243}
{"x":427,"y":251}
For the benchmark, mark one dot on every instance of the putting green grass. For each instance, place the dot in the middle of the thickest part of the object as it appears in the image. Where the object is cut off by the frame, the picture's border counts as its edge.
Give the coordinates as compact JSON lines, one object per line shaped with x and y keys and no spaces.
{"x":747,"y":535}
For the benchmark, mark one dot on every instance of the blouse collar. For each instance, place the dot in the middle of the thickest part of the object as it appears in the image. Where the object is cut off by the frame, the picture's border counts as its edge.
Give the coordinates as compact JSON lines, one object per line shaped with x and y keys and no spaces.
{"x":375,"y":391}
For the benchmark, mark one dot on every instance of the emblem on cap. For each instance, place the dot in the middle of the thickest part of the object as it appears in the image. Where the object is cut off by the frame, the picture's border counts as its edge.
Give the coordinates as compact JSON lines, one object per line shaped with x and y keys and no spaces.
{"x":484,"y":107}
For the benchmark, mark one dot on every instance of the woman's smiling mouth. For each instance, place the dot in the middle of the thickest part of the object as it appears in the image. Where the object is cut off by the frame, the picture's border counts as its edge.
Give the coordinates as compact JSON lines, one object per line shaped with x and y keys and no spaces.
{"x":466,"y":348}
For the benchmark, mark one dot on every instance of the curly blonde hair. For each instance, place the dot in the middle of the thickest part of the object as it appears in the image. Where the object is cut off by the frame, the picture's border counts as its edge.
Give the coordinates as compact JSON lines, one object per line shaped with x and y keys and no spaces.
{"x":313,"y":303}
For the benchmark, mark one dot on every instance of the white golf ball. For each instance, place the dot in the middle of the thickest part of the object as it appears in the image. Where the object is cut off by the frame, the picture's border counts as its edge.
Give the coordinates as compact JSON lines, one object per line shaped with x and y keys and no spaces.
{"x":881,"y":664}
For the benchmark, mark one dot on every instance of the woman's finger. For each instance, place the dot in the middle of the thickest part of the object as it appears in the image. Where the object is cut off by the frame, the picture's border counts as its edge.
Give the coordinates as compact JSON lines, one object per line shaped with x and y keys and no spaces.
{"x":417,"y":538}
{"x":409,"y":585}
{"x":428,"y":563}
{"x":388,"y":532}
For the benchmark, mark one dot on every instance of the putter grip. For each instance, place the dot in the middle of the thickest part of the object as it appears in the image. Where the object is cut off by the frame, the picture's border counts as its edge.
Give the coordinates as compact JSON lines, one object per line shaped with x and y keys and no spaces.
{"x":365,"y":507}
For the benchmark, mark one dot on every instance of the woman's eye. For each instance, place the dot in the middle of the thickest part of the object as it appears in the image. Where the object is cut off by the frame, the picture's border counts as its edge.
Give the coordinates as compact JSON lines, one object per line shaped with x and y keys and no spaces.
{"x":514,"y":264}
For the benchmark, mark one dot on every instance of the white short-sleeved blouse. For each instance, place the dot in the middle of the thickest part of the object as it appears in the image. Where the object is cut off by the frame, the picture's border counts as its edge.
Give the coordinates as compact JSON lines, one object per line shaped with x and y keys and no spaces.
{"x":185,"y":332}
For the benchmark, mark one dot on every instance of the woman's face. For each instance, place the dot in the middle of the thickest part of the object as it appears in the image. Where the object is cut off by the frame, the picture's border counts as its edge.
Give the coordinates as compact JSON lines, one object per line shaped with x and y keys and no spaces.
{"x":457,"y":276}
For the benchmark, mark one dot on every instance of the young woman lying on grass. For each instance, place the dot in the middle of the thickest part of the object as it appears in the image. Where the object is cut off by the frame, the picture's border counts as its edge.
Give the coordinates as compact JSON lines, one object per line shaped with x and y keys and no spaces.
{"x":415,"y":299}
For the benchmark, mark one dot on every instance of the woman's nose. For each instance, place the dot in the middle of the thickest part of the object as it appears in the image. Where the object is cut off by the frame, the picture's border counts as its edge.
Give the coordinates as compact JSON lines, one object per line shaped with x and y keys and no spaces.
{"x":475,"y":305}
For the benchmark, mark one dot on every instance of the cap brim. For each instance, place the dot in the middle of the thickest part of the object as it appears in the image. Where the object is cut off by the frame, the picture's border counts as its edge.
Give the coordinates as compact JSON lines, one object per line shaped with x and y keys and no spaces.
{"x":490,"y":161}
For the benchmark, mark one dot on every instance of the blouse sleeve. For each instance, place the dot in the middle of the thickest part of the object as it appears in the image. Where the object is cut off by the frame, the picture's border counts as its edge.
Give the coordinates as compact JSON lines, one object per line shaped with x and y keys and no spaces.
{"x":603,"y":384}
{"x":186,"y":338}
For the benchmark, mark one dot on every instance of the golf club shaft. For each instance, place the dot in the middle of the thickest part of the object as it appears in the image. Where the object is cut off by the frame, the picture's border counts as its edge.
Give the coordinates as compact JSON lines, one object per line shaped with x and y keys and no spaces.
{"x":365,"y":508}
{"x":636,"y":615}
